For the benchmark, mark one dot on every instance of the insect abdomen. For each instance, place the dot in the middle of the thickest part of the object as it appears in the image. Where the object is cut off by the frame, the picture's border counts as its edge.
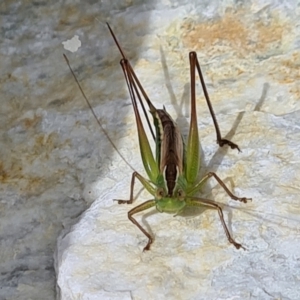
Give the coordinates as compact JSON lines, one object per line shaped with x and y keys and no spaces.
{"x":171,"y":158}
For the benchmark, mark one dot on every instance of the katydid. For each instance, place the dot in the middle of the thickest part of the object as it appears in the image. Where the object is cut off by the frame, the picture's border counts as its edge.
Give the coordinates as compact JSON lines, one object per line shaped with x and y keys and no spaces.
{"x":173,"y":173}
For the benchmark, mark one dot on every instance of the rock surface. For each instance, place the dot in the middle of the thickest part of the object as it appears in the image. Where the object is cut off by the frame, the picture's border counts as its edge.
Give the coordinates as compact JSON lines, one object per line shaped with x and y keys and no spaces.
{"x":56,"y":162}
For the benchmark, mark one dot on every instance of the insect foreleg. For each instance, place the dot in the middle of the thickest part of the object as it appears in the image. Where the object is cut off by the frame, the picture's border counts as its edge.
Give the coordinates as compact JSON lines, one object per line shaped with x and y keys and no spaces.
{"x":146,"y":205}
{"x":230,"y":194}
{"x":198,"y":186}
{"x":146,"y":184}
{"x":205,"y":202}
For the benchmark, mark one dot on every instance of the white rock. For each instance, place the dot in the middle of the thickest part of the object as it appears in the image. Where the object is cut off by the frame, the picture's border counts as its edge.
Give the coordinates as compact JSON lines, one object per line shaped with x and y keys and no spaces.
{"x":253,"y":84}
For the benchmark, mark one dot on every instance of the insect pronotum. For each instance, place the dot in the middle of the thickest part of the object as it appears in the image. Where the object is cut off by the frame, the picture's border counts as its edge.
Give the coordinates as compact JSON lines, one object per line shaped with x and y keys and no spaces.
{"x":173,"y":173}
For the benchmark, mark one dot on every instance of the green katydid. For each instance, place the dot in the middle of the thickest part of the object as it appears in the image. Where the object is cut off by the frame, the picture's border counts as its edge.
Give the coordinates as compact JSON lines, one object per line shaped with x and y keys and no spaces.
{"x":173,"y":174}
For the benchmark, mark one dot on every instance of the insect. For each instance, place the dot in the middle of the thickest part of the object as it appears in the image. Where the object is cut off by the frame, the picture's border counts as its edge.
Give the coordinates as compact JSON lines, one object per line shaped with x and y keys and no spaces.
{"x":173,"y":172}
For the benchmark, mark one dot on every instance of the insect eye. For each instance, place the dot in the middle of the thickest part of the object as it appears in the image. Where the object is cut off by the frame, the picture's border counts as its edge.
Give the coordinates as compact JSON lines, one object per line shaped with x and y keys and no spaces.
{"x":181,"y":194}
{"x":160,"y":193}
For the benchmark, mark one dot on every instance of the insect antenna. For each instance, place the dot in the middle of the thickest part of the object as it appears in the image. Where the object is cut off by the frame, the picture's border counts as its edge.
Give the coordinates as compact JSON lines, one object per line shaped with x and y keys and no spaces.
{"x":94,"y":114}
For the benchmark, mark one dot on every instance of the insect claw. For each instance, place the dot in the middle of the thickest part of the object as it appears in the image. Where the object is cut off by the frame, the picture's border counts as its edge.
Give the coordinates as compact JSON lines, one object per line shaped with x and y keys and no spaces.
{"x":232,"y":145}
{"x":244,"y":199}
{"x":123,"y":201}
{"x":238,"y":246}
{"x":147,"y":247}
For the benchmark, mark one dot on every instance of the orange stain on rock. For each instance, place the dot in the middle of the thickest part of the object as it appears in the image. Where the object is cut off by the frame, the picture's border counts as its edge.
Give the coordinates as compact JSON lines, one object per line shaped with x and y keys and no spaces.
{"x":29,"y":123}
{"x":18,"y":170}
{"x":4,"y":175}
{"x":231,"y":31}
{"x":287,"y":71}
{"x":73,"y":12}
{"x":239,"y":45}
{"x":228,"y":29}
{"x":269,"y":33}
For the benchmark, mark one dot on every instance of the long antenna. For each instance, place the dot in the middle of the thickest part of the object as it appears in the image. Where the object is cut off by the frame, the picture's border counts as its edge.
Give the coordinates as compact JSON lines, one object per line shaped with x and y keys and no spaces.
{"x":94,"y":114}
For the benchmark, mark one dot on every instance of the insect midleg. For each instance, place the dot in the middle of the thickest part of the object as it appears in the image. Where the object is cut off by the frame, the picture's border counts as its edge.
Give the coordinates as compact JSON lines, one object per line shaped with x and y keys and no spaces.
{"x":146,"y":205}
{"x":198,"y":186}
{"x":146,"y":184}
{"x":220,"y":141}
{"x":200,"y":202}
